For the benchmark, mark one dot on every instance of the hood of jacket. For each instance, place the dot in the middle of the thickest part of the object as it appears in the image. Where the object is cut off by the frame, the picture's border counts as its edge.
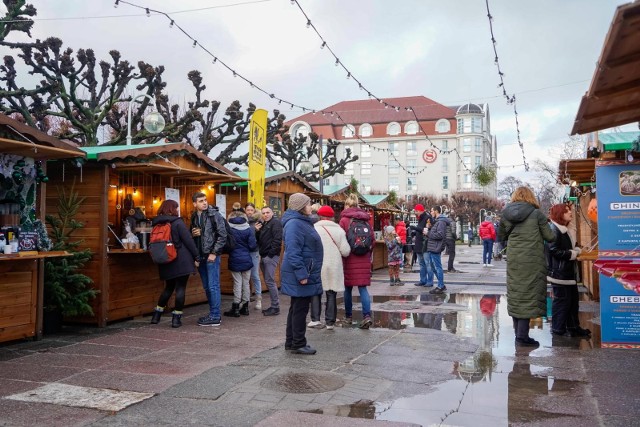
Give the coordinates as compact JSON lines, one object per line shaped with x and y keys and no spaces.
{"x":239,"y":223}
{"x":517,"y":212}
{"x":355,"y":213}
{"x":160,"y":219}
{"x":291,"y":214}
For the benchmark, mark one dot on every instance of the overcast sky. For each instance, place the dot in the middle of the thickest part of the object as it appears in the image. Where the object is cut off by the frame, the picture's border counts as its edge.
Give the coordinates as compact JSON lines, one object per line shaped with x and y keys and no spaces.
{"x":435,"y":48}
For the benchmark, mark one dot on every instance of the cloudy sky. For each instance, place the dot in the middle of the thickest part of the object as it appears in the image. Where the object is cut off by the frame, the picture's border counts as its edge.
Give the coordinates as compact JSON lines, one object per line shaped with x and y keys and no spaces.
{"x":439,"y":49}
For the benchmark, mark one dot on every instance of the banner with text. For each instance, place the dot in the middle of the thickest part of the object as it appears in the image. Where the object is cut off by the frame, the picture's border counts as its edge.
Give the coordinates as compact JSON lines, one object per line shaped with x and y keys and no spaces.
{"x":257,"y":157}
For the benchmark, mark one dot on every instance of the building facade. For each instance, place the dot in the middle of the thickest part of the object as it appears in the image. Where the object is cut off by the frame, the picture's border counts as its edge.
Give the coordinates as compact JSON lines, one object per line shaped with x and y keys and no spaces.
{"x":420,"y":147}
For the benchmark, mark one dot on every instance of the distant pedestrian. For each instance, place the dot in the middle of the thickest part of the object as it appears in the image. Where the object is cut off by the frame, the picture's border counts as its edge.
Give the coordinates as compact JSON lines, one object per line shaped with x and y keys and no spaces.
{"x":488,"y":235}
{"x":470,"y":234}
{"x":253,"y":218}
{"x":435,"y":245}
{"x":394,"y":255}
{"x":526,"y":229}
{"x":450,"y":243}
{"x":357,"y":268}
{"x":176,"y":273}
{"x":561,"y":261}
{"x":300,"y":274}
{"x":401,"y":231}
{"x":269,"y":235}
{"x":335,"y":246}
{"x":420,"y":245}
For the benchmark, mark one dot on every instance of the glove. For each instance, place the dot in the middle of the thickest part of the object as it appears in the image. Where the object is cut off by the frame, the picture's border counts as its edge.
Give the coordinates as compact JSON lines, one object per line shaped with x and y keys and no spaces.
{"x":578,"y":250}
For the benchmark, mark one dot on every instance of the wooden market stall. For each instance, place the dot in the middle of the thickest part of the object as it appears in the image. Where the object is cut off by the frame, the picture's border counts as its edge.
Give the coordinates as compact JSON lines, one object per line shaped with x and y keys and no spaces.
{"x":127,"y":184}
{"x":383,"y":215}
{"x":23,"y":154}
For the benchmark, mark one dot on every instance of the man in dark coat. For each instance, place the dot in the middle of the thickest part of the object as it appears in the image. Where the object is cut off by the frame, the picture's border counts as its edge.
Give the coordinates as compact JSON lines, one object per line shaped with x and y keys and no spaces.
{"x":450,"y":243}
{"x":420,"y":244}
{"x":435,"y":245}
{"x":269,"y":235}
{"x":210,"y":234}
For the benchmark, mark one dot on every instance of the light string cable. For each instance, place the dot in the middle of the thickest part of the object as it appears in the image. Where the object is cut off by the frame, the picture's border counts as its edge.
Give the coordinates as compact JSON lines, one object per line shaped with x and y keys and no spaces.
{"x":511,"y":100}
{"x":217,"y":60}
{"x":361,"y":86}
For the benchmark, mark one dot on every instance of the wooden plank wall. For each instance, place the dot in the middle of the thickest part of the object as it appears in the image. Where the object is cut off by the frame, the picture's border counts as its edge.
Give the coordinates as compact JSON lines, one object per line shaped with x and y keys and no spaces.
{"x":18,"y":299}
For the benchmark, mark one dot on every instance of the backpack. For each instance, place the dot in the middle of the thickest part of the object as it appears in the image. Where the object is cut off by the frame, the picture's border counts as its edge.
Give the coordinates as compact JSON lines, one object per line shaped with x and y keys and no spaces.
{"x":359,"y":236}
{"x":161,"y":248}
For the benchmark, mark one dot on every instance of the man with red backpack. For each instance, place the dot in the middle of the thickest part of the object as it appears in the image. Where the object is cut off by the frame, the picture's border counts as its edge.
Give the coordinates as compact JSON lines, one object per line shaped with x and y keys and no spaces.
{"x":209,"y":231}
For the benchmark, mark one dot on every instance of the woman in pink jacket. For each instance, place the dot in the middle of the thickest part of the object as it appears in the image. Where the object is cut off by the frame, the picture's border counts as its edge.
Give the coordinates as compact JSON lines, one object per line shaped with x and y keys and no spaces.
{"x":487,"y":233}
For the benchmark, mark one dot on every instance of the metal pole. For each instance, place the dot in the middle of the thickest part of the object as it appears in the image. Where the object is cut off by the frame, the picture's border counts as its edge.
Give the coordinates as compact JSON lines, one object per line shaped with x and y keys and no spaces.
{"x":320,"y":168}
{"x":144,"y":95}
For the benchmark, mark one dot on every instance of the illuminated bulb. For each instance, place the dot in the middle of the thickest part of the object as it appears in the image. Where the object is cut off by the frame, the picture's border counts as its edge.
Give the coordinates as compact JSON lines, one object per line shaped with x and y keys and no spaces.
{"x":135,"y":191}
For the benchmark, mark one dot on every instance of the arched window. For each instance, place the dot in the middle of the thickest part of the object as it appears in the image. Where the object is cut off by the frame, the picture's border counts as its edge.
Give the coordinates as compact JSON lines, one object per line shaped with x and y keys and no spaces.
{"x":411,"y":128}
{"x":366,"y":130}
{"x":393,"y":128}
{"x":443,"y":126}
{"x":300,"y":128}
{"x":348,"y":131}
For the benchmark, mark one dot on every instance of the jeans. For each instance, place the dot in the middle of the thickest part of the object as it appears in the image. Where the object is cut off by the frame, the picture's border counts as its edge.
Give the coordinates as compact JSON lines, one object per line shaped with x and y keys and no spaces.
{"x":436,"y":262}
{"x":255,"y":272}
{"x":423,"y":268}
{"x":428,"y":268}
{"x":210,"y":274}
{"x":296,"y":322}
{"x":179,"y":284}
{"x":241,"y":286}
{"x":451,"y":249}
{"x":365,"y":299}
{"x":331,"y":310}
{"x":487,"y":251}
{"x":269,"y":266}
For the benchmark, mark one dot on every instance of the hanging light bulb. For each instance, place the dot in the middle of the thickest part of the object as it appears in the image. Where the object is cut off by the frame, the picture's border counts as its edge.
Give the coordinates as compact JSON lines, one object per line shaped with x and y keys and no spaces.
{"x":195,"y":43}
{"x":148,"y":12}
{"x":171,"y":24}
{"x":323,"y":45}
{"x":293,"y":2}
{"x":116,"y":5}
{"x":337,"y":62}
{"x":348,"y":76}
{"x":215,"y":59}
{"x":308,"y":23}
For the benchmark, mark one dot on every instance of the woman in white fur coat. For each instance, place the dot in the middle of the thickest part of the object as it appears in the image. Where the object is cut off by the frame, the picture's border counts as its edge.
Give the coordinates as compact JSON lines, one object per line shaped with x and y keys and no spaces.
{"x":335,"y":246}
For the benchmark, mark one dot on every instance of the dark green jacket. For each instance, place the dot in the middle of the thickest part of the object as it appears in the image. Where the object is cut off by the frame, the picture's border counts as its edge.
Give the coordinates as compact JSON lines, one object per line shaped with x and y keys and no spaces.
{"x":526,"y":263}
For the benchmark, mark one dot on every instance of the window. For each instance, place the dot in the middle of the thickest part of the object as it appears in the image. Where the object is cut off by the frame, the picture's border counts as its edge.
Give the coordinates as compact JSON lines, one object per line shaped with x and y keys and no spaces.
{"x":460,"y":125}
{"x":394,"y":167}
{"x":464,"y":125}
{"x":412,"y":165}
{"x":445,"y":182}
{"x":467,"y":161}
{"x":365,"y":185}
{"x":478,"y":145}
{"x":476,"y":124}
{"x":411,"y":148}
{"x":443,"y":126}
{"x":411,"y":128}
{"x":412,"y":184}
{"x":366,"y":130}
{"x":365,"y":150}
{"x":466,"y":145}
{"x":394,"y":148}
{"x":348,"y":169}
{"x":394,"y":183}
{"x":445,"y":144}
{"x":299,"y":129}
{"x":467,"y":178}
{"x":348,"y":131}
{"x":478,"y":161}
{"x":365,"y":168}
{"x":393,"y":128}
{"x":445,"y":165}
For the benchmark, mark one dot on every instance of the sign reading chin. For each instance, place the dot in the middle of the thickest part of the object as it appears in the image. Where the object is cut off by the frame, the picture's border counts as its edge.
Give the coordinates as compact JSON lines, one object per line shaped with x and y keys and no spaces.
{"x":429,"y":155}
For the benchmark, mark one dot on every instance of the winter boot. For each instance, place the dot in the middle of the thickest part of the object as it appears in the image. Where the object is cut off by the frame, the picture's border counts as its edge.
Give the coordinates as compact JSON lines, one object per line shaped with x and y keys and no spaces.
{"x":234,"y":312}
{"x":244,"y":310}
{"x":157,"y":314}
{"x":392,"y":281}
{"x":176,"y":320}
{"x":399,"y":282}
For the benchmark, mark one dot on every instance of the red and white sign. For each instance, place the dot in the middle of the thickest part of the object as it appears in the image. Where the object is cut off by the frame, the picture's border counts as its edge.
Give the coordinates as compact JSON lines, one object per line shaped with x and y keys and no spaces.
{"x":429,"y":155}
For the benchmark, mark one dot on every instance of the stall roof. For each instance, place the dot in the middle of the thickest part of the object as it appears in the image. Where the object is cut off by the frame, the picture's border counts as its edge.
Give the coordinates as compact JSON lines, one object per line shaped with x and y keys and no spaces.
{"x":613,"y":98}
{"x":30,"y":142}
{"x":578,"y":170}
{"x":271,"y":176}
{"x":124,"y":155}
{"x":618,"y":140}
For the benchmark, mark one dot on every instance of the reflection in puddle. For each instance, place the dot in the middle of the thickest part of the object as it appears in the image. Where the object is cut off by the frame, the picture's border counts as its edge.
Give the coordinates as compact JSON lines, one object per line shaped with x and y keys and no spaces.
{"x":490,"y":388}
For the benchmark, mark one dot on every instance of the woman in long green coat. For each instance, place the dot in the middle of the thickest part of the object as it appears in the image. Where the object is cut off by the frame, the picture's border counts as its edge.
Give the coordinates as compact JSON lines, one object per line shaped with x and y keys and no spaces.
{"x":526,"y":228}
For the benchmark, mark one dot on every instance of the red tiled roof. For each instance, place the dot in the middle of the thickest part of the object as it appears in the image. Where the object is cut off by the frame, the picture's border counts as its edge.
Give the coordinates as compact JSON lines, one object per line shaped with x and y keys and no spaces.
{"x":372,"y":111}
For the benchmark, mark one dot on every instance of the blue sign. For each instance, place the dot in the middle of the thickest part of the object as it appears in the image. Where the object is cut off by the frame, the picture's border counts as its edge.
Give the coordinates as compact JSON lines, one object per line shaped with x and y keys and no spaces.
{"x":620,"y":313}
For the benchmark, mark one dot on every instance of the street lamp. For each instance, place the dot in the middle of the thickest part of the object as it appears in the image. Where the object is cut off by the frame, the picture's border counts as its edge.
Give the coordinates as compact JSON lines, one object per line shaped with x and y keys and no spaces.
{"x":153,"y":122}
{"x":305,"y":166}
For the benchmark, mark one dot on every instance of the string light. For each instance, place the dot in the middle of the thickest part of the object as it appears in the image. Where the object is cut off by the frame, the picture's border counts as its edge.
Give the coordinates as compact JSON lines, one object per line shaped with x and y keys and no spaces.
{"x":171,"y":24}
{"x":195,"y":43}
{"x":147,"y":11}
{"x":116,"y":4}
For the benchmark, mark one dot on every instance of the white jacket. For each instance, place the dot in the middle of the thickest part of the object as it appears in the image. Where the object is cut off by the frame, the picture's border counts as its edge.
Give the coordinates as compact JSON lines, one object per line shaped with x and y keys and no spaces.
{"x":332,"y":271}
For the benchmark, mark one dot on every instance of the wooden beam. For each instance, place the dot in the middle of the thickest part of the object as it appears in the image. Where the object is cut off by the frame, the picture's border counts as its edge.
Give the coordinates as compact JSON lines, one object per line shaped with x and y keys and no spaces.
{"x":628,"y":87}
{"x":635,"y":109}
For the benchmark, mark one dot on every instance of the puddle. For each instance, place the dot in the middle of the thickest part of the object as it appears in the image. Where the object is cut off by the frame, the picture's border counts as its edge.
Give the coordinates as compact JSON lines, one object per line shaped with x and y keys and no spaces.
{"x":497,"y":385}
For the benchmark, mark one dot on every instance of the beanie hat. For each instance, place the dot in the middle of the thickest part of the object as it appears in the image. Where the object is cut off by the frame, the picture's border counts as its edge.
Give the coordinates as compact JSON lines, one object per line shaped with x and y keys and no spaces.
{"x":389,"y":229}
{"x":418,"y":208}
{"x":488,"y":218}
{"x":326,"y":211}
{"x":297,"y":201}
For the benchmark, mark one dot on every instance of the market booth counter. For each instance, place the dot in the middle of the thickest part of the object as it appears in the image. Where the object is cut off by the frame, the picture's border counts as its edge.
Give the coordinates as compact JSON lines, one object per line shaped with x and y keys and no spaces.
{"x":23,"y":154}
{"x":122,"y":187}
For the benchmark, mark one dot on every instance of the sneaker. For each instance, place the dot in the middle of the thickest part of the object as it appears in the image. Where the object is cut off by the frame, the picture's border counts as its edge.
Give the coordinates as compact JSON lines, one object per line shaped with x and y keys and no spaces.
{"x":258,"y":305}
{"x":419,"y":284}
{"x":306,"y":350}
{"x":527,"y":342}
{"x":438,"y":291}
{"x":313,"y":324}
{"x":399,"y":283}
{"x":347,"y":321}
{"x":366,"y":323}
{"x":208,"y":321}
{"x":271,"y":311}
{"x":330,"y":326}
{"x":489,"y":265}
{"x":484,"y":265}
{"x":428,"y":285}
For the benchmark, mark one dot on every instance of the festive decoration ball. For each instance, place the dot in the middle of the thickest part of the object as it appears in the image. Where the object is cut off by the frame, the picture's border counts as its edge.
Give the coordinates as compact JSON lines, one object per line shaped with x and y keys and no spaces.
{"x":592,"y":210}
{"x":45,"y":179}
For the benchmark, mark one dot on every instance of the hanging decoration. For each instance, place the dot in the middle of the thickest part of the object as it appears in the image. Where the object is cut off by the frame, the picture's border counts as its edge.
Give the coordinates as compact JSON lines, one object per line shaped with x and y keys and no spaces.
{"x":592,"y":210}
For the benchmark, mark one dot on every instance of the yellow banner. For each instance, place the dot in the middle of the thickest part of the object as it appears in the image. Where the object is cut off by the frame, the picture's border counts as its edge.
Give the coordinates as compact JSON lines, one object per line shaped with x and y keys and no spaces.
{"x":257,"y":157}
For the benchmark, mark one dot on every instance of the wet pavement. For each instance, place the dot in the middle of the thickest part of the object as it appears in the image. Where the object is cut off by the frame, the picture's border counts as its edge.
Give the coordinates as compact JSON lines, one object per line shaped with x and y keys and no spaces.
{"x":427,"y":360}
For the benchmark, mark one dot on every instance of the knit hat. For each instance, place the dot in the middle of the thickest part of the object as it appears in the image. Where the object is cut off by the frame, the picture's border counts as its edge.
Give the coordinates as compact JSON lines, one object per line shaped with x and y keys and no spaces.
{"x":488,"y":218}
{"x":297,"y":201}
{"x":389,"y":229}
{"x":326,"y":211}
{"x":418,"y":208}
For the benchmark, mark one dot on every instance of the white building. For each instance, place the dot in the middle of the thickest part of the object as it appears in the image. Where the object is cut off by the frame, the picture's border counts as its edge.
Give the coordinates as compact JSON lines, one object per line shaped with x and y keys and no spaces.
{"x":395,"y":154}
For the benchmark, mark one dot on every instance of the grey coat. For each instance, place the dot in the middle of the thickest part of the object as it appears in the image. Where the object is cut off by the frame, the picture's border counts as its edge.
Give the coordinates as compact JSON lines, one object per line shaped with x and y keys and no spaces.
{"x":526,"y":263}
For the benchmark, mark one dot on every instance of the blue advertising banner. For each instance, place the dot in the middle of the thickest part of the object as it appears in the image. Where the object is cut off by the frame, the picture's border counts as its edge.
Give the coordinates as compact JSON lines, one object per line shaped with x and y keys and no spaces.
{"x":620,"y":313}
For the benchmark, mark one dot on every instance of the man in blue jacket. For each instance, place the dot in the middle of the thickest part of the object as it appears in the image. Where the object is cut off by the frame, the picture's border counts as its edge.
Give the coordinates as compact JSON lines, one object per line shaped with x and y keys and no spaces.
{"x":435,"y":245}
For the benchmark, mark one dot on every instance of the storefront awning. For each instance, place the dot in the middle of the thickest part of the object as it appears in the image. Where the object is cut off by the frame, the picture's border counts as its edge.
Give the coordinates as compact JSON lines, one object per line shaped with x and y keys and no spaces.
{"x":22,"y":140}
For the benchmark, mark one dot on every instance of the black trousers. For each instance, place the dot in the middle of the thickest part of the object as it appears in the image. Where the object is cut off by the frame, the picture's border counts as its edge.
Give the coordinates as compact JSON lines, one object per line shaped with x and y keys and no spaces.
{"x":179,"y":284}
{"x":331,"y":310}
{"x":297,"y":322}
{"x":565,"y":309}
{"x":521,"y":327}
{"x":451,"y":250}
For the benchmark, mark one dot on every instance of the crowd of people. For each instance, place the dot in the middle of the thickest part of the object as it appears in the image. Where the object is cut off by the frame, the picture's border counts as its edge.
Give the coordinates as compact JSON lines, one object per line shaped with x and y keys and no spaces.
{"x":324,"y":257}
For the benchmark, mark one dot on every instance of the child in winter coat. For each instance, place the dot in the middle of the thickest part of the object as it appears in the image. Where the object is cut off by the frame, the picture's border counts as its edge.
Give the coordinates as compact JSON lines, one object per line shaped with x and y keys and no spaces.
{"x":394,"y":257}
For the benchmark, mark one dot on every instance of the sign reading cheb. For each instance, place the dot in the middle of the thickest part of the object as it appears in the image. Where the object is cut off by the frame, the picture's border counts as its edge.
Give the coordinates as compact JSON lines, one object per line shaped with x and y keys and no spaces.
{"x":257,"y":157}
